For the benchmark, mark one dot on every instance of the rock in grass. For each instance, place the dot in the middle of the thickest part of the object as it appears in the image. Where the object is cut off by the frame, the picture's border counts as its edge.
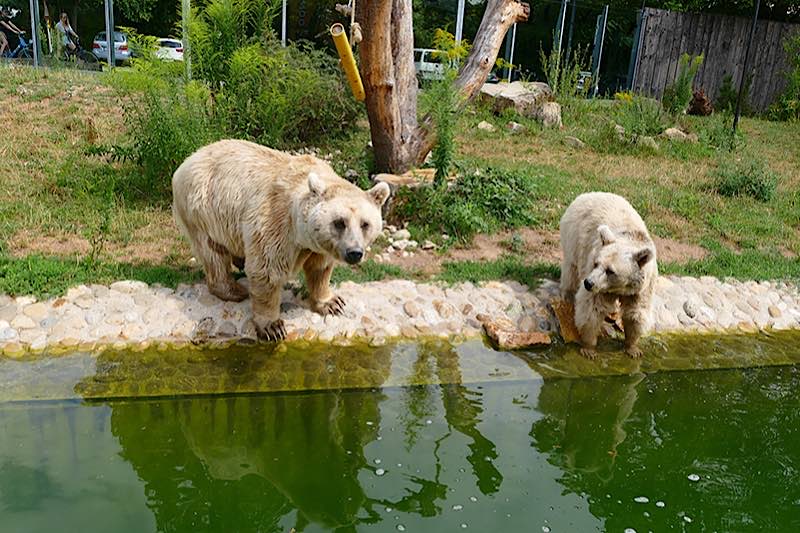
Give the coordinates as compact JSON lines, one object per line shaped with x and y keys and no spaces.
{"x":674,"y":134}
{"x":505,"y":336}
{"x":574,"y":142}
{"x":515,"y":127}
{"x":485,"y":126}
{"x":647,"y":141}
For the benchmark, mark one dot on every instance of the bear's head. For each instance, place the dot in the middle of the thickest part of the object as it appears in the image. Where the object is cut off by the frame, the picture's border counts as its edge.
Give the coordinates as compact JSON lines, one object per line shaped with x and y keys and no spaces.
{"x":619,"y":264}
{"x":343,"y":219}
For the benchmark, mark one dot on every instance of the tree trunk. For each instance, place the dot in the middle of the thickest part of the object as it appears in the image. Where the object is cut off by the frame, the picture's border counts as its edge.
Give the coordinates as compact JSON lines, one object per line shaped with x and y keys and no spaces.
{"x":399,"y":141}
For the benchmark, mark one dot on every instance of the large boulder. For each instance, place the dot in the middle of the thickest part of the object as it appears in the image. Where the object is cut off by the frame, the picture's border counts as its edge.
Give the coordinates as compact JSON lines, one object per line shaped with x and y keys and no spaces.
{"x":529,"y":99}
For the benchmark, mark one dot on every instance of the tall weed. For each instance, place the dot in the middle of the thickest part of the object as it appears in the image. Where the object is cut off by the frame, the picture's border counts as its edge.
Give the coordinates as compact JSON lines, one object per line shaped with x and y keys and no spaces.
{"x":678,"y":95}
{"x":787,"y":107}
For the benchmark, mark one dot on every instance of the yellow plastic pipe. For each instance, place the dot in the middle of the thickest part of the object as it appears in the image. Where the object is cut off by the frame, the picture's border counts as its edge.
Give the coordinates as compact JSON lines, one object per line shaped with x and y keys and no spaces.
{"x":348,"y":61}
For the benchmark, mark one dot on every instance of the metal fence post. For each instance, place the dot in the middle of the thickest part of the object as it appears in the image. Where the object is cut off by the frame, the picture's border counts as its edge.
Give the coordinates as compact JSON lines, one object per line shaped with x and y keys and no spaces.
{"x":34,"y":33}
{"x":571,"y":27}
{"x":601,"y":29}
{"x":511,"y":55}
{"x":459,"y":22}
{"x":562,"y":16}
{"x":187,"y":52}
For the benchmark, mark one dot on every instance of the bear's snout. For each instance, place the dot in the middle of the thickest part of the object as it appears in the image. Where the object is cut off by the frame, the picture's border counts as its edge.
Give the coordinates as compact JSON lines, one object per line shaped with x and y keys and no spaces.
{"x":353,"y":255}
{"x":587,"y":283}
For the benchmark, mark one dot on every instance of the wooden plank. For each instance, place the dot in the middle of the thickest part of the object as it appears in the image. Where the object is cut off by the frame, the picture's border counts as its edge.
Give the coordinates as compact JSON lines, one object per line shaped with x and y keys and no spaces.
{"x":645,"y":68}
{"x":664,"y":51}
{"x":651,"y":46}
{"x":764,"y":57}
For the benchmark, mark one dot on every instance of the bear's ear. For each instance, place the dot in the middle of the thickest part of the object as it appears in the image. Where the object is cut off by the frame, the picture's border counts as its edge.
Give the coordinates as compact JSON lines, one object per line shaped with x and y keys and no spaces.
{"x":606,"y":235}
{"x":315,"y":184}
{"x":643,"y":256}
{"x":379,"y":193}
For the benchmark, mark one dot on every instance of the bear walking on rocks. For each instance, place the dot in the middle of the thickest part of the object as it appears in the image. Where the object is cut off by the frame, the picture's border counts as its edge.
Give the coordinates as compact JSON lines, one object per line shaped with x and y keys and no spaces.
{"x":609,"y":262}
{"x":272,"y":213}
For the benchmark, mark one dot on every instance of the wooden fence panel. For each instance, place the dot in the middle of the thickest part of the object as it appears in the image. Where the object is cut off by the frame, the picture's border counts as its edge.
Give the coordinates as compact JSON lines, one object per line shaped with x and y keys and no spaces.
{"x":722,"y":40}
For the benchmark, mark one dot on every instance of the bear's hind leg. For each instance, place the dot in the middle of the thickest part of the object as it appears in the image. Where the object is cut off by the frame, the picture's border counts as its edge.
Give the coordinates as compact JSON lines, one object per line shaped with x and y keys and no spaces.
{"x":217,"y":263}
{"x":318,"y":270}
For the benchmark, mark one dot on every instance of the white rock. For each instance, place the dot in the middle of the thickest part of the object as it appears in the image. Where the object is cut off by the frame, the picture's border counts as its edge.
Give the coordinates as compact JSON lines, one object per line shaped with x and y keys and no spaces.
{"x":36,"y":311}
{"x":485,"y":126}
{"x":128,"y":286}
{"x":23,"y":322}
{"x":401,"y":235}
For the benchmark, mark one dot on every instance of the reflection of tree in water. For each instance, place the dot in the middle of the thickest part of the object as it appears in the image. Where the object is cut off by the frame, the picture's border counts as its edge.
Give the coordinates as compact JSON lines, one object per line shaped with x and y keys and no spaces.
{"x":272,"y":462}
{"x":617,"y":439}
{"x":462,"y":410}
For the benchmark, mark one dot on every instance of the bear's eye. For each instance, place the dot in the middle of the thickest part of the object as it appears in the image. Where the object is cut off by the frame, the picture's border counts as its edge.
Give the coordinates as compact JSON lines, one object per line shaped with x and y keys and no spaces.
{"x":596,"y":265}
{"x":339,"y":224}
{"x":609,"y":272}
{"x":365,"y":227}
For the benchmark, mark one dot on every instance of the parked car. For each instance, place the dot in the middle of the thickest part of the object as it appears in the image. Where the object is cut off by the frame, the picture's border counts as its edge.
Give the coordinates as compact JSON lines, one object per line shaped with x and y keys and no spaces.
{"x":170,"y":49}
{"x":122,"y":52}
{"x":427,"y":64}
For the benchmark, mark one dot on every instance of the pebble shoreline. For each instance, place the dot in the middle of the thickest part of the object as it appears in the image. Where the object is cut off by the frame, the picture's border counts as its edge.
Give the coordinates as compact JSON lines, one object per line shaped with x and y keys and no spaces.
{"x":134,"y":315}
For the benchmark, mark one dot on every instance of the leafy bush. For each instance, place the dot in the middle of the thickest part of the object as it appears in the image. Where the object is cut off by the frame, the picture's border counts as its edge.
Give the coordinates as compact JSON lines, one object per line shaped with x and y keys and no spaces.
{"x":716,"y":131}
{"x":563,"y":74}
{"x":284,"y":95}
{"x":728,"y":95}
{"x":747,"y":177}
{"x":641,"y":116}
{"x":246,"y":85}
{"x":678,"y":95}
{"x":166,"y":127}
{"x":442,"y":99}
{"x":477,"y":202}
{"x":787,"y":107}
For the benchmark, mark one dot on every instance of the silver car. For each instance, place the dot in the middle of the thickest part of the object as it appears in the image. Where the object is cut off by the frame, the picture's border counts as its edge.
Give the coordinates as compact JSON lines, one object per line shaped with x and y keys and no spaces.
{"x":122,"y":52}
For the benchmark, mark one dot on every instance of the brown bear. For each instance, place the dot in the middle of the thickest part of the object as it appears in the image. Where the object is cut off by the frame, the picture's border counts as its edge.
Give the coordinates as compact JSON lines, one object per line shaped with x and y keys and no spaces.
{"x":272,"y":214}
{"x":609,"y":262}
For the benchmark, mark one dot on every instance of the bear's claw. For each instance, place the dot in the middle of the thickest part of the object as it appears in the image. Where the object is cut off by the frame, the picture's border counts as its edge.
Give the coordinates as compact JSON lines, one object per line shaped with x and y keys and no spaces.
{"x":633,"y":351}
{"x":274,"y":331}
{"x":589,"y":353}
{"x":334,"y":306}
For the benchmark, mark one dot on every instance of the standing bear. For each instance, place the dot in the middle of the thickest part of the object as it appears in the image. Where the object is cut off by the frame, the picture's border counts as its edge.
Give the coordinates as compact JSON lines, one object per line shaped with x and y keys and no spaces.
{"x":609,"y":262}
{"x":272,"y":214}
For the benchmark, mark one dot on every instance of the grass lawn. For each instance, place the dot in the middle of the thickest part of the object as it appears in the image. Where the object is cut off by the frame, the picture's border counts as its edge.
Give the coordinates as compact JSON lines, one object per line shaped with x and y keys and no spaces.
{"x":60,"y":204}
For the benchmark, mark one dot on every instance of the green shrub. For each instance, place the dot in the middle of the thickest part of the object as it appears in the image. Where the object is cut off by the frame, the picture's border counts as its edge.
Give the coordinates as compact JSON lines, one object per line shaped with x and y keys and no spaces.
{"x":787,"y":107}
{"x":716,"y":131}
{"x":563,"y":73}
{"x":166,"y":127}
{"x":641,"y":117}
{"x":678,"y":95}
{"x":443,"y":102}
{"x":728,"y":95}
{"x":747,"y":177}
{"x":246,"y":86}
{"x":477,"y":202}
{"x":283,"y":96}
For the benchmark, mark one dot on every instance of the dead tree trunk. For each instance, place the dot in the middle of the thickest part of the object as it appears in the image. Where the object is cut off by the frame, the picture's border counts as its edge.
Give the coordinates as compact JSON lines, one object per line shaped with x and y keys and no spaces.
{"x":399,"y":140}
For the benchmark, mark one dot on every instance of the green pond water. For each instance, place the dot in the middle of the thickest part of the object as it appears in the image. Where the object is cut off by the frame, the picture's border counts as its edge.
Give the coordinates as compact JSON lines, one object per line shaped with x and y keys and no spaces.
{"x":427,"y":437}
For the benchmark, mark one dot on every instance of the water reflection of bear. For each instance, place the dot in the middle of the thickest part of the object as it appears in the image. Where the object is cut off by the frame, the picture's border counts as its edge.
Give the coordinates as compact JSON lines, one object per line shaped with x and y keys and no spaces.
{"x":584,"y":421}
{"x":251,"y":461}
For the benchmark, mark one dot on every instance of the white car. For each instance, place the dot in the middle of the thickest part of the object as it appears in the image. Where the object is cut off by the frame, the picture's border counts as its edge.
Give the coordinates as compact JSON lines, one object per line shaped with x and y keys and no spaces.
{"x":427,"y":65}
{"x":170,"y":49}
{"x":122,"y":53}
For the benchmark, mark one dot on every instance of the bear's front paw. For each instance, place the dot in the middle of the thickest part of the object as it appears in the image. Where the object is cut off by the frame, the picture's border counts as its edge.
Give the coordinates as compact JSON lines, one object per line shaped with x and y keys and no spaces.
{"x":230,"y":292}
{"x":334,"y":306}
{"x":589,"y":353}
{"x":633,"y":351}
{"x":273,"y":331}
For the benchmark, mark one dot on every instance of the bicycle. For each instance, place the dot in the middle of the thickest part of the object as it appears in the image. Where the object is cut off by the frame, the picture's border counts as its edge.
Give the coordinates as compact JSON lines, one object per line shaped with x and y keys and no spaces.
{"x":22,"y":51}
{"x":83,"y":58}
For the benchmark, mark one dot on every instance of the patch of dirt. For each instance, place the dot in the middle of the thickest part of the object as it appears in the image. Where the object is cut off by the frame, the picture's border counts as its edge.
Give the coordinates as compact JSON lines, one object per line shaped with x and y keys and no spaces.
{"x":672,"y":251}
{"x":152,"y":249}
{"x":536,"y":245}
